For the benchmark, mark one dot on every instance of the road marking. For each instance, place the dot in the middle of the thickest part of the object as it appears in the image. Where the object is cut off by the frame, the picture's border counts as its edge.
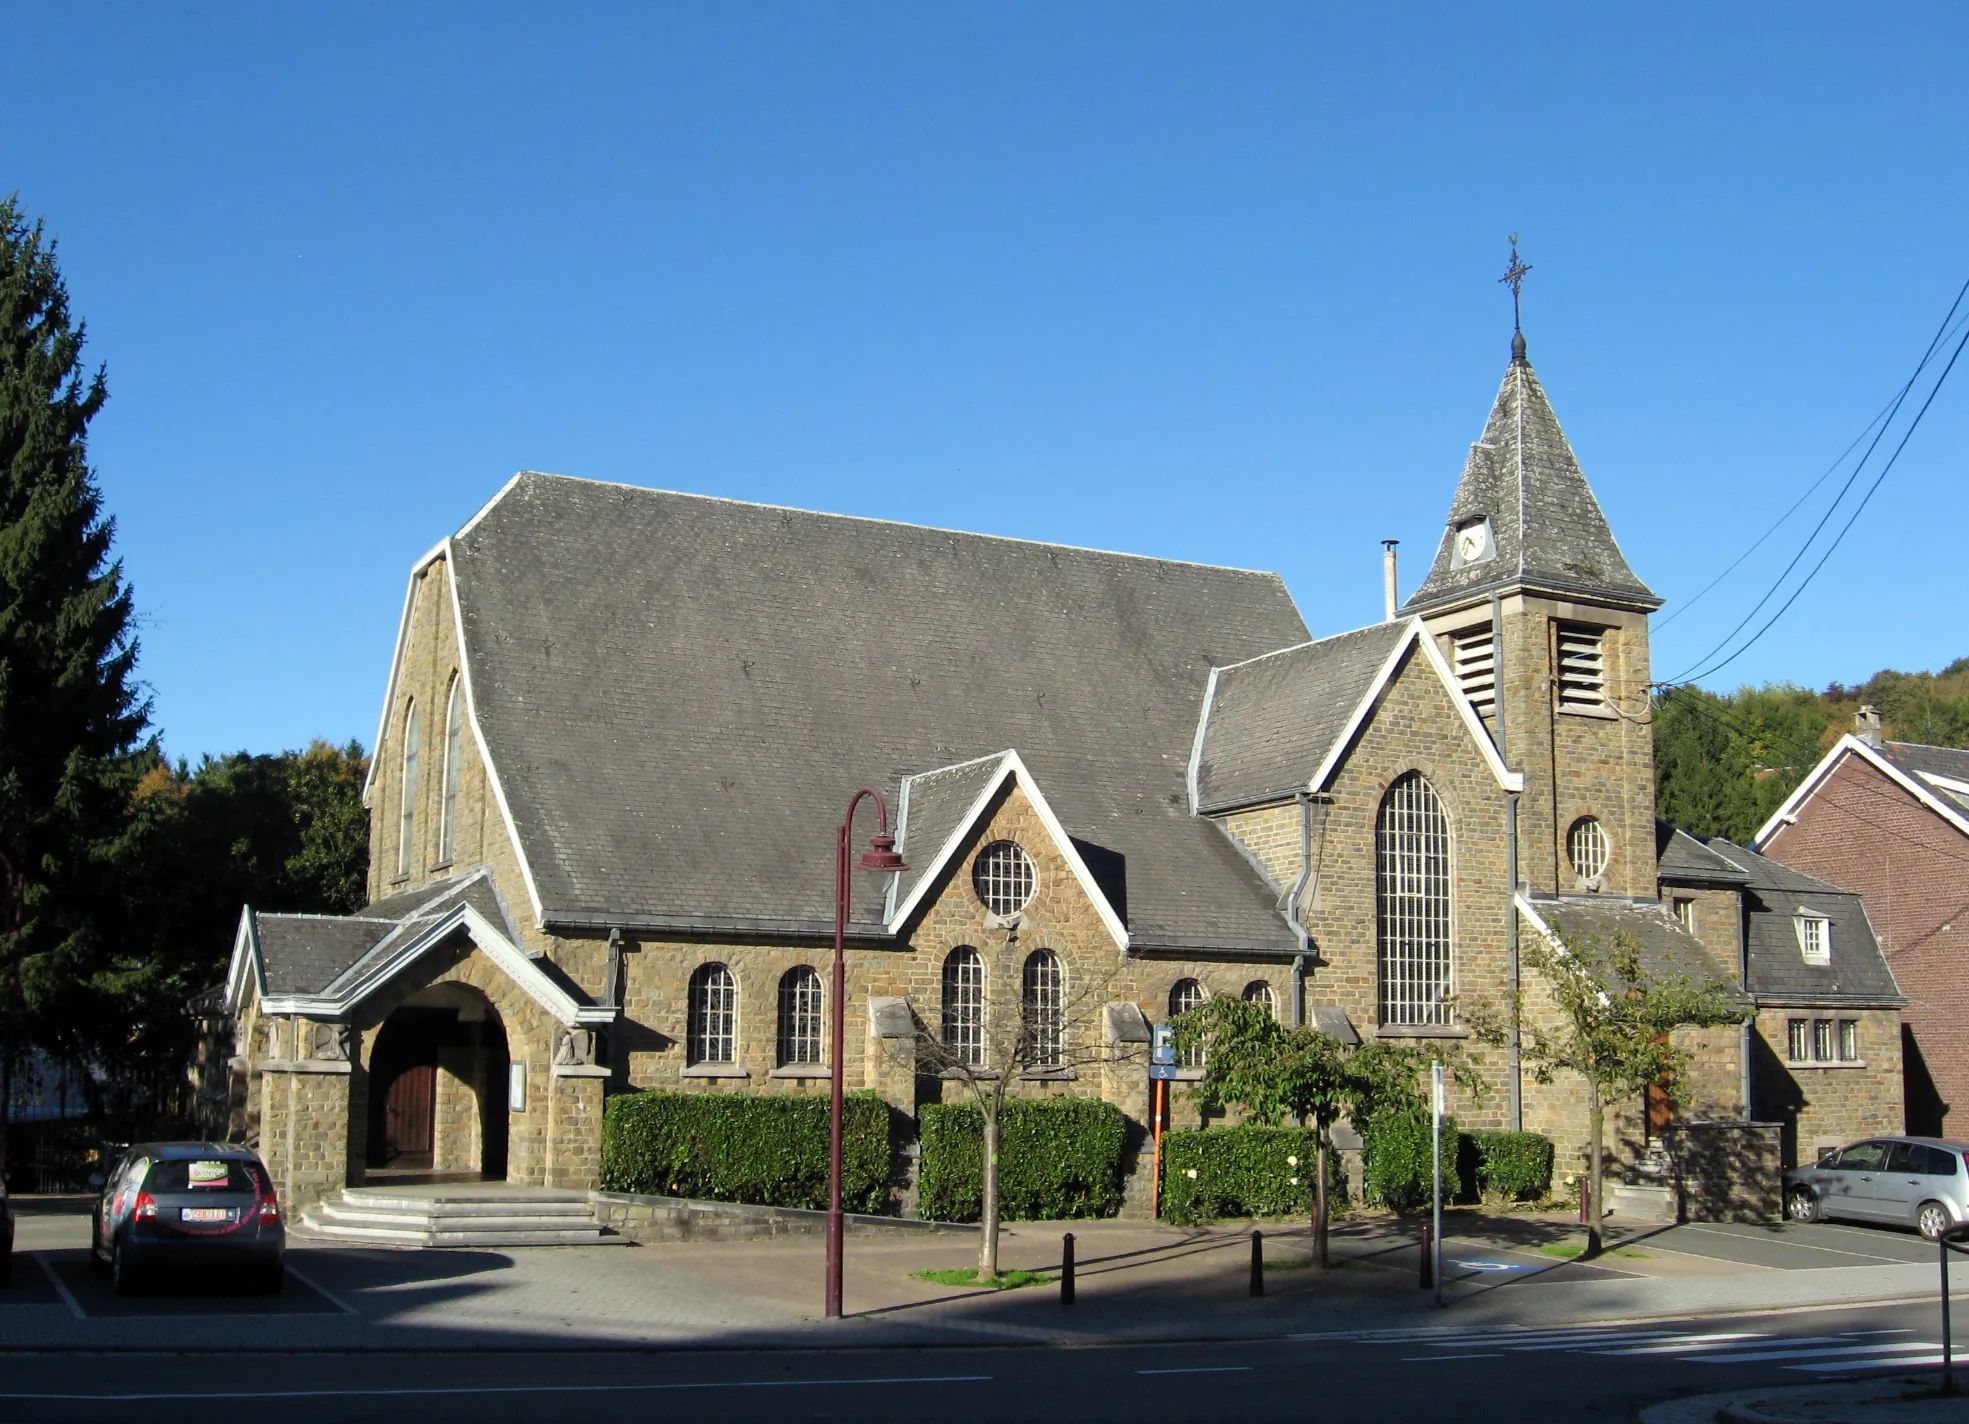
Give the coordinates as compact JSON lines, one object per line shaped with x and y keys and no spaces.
{"x":1202,"y":1370}
{"x":1432,"y":1359}
{"x":1898,"y":1362}
{"x":1683,"y":1343}
{"x":155,"y":1397}
{"x":1818,"y":1353}
{"x":1805,"y":1246}
{"x":47,"y":1269}
{"x":326,"y":1294}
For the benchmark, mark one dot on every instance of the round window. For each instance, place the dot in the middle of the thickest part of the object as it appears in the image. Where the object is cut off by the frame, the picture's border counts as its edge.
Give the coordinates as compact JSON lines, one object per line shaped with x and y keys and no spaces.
{"x":1586,"y":847}
{"x":1005,"y":877}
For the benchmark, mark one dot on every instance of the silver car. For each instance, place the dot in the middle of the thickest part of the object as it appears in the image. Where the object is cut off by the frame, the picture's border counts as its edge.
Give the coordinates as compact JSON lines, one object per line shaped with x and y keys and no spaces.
{"x":1922,"y":1182}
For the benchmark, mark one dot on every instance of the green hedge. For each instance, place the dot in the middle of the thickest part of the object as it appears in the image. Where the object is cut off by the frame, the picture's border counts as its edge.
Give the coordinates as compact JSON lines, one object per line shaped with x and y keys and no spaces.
{"x":1245,"y":1171}
{"x":1057,"y":1157}
{"x":770,"y":1151}
{"x":1516,"y":1166}
{"x":1396,"y":1166}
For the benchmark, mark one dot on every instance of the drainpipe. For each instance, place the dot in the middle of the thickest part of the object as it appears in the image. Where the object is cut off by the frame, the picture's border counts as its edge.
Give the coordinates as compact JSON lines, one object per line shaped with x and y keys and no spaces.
{"x":1292,"y":909}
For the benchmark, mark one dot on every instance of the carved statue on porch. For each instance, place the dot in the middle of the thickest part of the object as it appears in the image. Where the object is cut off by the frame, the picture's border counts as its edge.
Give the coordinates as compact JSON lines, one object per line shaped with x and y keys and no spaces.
{"x":574,"y":1047}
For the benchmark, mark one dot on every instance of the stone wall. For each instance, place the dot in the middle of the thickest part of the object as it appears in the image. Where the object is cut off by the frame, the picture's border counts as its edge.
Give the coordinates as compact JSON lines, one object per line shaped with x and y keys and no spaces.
{"x":304,"y":1129}
{"x":1824,"y":1105}
{"x":1727,"y":1171}
{"x":650,"y":1219}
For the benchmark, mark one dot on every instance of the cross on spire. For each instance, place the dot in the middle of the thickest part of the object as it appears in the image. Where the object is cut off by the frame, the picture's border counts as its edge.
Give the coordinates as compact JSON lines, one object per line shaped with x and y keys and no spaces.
{"x":1514,"y":277}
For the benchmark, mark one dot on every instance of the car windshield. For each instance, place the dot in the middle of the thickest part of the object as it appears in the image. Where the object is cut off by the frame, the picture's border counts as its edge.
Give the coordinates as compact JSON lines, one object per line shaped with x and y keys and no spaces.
{"x":192,"y":1175}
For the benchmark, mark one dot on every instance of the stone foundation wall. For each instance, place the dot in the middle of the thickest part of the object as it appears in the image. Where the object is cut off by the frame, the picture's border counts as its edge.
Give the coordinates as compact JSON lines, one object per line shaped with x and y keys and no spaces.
{"x":645,"y":1218}
{"x":1727,"y":1171}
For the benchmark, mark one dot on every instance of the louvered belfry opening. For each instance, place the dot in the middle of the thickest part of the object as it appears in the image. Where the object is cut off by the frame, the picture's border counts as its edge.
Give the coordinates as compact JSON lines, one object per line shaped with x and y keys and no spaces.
{"x":1412,"y":866}
{"x":1474,"y":651}
{"x":1582,"y":668}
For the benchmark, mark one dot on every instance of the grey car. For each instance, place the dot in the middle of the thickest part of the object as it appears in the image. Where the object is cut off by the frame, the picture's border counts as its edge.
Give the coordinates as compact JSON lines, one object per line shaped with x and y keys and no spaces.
{"x":1922,"y":1182}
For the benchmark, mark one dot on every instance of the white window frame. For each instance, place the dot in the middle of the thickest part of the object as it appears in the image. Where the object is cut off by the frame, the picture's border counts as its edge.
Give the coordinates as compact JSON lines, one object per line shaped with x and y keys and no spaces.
{"x":1043,"y":1002}
{"x":1804,"y":923}
{"x":1685,"y":911}
{"x":1187,"y":996}
{"x":1005,"y":878}
{"x":1586,"y":839}
{"x":964,"y":1006}
{"x":711,"y":1021}
{"x":1415,"y":876}
{"x":802,"y":1017}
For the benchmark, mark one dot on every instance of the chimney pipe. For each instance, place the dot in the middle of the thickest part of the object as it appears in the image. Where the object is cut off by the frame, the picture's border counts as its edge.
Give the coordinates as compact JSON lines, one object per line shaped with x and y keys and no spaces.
{"x":1866,"y":725}
{"x":1388,"y":575}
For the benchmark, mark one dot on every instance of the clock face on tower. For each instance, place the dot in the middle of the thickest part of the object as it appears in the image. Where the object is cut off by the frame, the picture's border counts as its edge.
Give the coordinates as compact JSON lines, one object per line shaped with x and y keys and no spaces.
{"x":1473,"y":543}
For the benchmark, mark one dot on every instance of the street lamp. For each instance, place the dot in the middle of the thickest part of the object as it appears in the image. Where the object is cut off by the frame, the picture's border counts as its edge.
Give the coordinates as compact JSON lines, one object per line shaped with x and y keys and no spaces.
{"x":880,"y":857}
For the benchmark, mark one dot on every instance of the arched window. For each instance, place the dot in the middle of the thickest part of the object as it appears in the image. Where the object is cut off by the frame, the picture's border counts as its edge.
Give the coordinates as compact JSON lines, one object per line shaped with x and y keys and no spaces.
{"x":1185,"y":996}
{"x":1045,"y":1008}
{"x":1260,"y":993}
{"x":1412,"y":903}
{"x":799,"y":1016}
{"x":963,"y":1006}
{"x":454,"y":733}
{"x":713,"y":1034}
{"x":407,"y":816}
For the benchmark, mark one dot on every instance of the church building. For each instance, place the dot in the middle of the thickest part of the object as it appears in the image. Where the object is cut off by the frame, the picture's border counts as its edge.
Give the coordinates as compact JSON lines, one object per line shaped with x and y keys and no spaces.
{"x":622,"y":726}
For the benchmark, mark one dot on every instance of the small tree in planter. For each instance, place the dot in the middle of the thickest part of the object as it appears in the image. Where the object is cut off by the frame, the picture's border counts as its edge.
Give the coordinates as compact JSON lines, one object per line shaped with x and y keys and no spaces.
{"x":1029,"y":1021}
{"x":1271,"y":1071}
{"x":1616,"y":1016}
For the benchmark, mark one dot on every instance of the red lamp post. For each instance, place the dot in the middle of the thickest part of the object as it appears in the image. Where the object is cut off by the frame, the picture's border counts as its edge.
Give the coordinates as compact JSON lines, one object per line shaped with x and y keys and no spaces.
{"x":881,"y":857}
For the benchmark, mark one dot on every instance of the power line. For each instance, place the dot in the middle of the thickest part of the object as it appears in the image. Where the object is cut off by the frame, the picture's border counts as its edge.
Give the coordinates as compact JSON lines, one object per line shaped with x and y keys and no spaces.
{"x":1846,"y":528}
{"x":1884,"y":423}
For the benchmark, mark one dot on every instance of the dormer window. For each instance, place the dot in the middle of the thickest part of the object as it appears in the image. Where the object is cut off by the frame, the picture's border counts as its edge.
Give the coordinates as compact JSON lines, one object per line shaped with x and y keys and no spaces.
{"x":1814,"y":937}
{"x":1582,"y":669}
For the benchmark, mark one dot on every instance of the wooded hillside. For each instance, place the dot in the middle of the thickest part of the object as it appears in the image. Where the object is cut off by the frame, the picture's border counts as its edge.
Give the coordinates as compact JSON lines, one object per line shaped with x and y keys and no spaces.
{"x":1724,"y":763}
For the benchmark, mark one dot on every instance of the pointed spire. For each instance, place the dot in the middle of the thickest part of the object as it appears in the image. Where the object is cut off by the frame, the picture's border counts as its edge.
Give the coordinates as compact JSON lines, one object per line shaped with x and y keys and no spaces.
{"x":1524,"y":516}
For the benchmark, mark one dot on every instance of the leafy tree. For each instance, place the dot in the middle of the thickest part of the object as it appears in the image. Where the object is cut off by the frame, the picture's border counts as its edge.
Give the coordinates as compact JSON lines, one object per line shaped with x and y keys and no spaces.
{"x":1253,"y":1061}
{"x":70,"y":712}
{"x":1615,"y":1024}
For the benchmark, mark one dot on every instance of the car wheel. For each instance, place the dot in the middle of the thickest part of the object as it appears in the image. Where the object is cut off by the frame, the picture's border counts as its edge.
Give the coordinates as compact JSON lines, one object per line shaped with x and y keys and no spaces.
{"x":122,"y":1275}
{"x":1801,"y":1205}
{"x":1932,"y":1220}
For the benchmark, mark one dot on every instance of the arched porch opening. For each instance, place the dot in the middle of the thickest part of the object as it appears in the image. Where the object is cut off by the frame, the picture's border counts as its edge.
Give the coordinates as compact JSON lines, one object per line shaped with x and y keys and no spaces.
{"x":437,"y":1089}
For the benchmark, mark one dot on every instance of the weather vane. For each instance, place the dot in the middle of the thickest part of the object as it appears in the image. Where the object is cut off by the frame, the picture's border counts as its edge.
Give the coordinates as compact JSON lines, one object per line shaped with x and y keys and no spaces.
{"x":1514,"y":278}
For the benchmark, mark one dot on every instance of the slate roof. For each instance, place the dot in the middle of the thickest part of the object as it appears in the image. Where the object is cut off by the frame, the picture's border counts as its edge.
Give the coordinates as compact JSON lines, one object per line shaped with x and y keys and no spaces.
{"x":1915,"y":759}
{"x":1666,"y":948}
{"x":306,"y":954}
{"x":681,"y":693}
{"x":1681,"y":859}
{"x":1549,"y":531}
{"x":1858,"y":972}
{"x":934,"y":805}
{"x":1272,"y":720}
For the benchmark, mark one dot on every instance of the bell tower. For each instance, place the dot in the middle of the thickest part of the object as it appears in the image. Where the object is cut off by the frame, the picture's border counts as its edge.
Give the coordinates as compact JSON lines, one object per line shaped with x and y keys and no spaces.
{"x":1535,"y":607}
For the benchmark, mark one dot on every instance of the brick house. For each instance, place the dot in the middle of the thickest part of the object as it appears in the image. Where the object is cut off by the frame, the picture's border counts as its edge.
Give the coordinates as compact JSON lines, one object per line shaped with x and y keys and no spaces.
{"x":621,"y":727}
{"x":1890,"y":820}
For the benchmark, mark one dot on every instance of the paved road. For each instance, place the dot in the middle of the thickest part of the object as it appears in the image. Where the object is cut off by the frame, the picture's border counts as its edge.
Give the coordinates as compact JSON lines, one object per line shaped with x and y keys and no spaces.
{"x":1471,"y":1376}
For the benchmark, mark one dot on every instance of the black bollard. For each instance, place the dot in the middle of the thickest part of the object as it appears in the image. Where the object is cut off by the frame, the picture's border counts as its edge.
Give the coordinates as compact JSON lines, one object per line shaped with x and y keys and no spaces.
{"x":1257,"y":1263}
{"x":1428,"y":1258}
{"x":1066,"y":1269}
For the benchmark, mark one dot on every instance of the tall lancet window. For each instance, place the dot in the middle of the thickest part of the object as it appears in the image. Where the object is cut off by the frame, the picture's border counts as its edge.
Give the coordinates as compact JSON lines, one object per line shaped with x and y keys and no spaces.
{"x":454,"y":736}
{"x":407,"y":811}
{"x":1412,"y":869}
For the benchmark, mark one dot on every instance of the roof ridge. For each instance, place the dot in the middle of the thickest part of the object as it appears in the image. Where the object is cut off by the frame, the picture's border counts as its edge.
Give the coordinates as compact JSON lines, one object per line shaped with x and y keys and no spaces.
{"x":863,"y":519}
{"x":999,"y":755}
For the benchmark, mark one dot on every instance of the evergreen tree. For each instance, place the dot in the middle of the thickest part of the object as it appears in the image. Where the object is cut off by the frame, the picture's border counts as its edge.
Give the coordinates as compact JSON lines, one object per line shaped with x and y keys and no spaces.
{"x":70,"y":712}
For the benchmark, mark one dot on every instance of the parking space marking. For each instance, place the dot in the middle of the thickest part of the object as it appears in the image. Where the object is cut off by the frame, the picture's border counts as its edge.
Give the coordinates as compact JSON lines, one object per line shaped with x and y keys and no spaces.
{"x":1803,"y":1246}
{"x":1202,"y":1370}
{"x":61,"y":1289}
{"x":160,"y":1396}
{"x":321,"y":1290}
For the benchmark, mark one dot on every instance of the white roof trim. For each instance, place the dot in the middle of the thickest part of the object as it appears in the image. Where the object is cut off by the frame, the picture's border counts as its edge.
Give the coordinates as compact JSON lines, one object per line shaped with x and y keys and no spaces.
{"x":492,"y":777}
{"x":345,"y":993}
{"x":1945,"y":783}
{"x":247,"y":966}
{"x":1415,"y":635}
{"x":1808,"y":788}
{"x":1202,"y":731}
{"x":1011,"y":766}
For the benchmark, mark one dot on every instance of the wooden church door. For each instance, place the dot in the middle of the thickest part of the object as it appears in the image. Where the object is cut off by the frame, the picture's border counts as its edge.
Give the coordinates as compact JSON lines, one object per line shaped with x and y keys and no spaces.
{"x":409,"y":1110}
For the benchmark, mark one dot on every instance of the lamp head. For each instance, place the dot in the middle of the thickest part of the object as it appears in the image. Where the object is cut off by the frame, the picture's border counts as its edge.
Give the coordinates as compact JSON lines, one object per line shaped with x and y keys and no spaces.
{"x":881,"y":856}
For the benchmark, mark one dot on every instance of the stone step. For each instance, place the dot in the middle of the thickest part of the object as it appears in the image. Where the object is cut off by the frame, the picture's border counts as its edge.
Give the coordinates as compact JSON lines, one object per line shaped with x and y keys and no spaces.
{"x":384,"y":1218}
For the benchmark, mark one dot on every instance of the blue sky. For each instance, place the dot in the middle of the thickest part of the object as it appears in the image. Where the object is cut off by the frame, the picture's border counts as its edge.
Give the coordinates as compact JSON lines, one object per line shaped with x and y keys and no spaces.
{"x":1208,"y":282}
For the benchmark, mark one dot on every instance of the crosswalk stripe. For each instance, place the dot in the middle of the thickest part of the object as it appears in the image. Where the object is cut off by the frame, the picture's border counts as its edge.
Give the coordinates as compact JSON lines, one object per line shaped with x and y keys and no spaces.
{"x":1508,"y":1339}
{"x":1898,"y":1362}
{"x":1586,"y":1346}
{"x":1744,"y":1357}
{"x":1684,"y":1343}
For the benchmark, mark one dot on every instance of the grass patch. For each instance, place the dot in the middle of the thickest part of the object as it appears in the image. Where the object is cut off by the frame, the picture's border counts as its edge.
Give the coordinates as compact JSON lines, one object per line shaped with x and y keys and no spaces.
{"x":1004,"y":1280}
{"x":1568,"y":1252}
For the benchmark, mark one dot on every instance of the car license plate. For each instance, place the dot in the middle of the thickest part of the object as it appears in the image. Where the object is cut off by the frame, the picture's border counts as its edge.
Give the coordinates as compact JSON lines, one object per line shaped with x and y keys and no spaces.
{"x":206,"y":1213}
